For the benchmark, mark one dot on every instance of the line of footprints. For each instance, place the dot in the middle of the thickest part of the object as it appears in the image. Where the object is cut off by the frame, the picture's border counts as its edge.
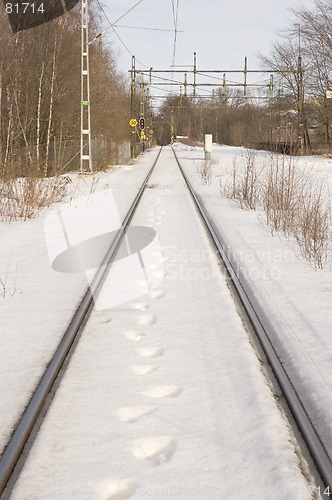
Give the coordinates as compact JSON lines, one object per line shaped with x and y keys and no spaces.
{"x":153,"y":450}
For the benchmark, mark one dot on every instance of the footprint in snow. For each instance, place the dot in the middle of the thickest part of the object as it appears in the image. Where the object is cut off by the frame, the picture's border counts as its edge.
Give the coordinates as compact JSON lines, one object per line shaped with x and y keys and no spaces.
{"x":141,"y":306}
{"x":133,"y":335}
{"x":103,"y":318}
{"x":162,"y":391}
{"x":146,"y":319}
{"x":154,"y":449}
{"x":153,"y":267}
{"x":157,"y":294}
{"x":143,"y":369}
{"x":133,"y":413}
{"x":116,"y":489}
{"x":143,"y":283}
{"x":158,"y":257}
{"x":150,"y":352}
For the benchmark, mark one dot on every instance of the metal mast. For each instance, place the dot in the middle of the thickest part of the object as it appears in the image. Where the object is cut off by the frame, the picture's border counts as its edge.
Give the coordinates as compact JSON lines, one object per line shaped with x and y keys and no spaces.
{"x":86,"y":160}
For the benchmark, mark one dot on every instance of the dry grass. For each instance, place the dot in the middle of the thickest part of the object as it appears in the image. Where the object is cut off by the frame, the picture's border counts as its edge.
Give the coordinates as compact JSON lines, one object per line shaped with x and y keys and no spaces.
{"x":9,"y":286}
{"x":25,"y":198}
{"x":293,"y":202}
{"x":313,"y":227}
{"x":284,"y":188}
{"x":245,"y":186}
{"x":205,"y":170}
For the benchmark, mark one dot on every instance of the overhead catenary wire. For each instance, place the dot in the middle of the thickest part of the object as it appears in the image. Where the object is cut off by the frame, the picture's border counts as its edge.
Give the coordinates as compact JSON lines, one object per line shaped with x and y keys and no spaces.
{"x":144,"y":28}
{"x":127,"y":12}
{"x":112,"y":26}
{"x":175,"y":21}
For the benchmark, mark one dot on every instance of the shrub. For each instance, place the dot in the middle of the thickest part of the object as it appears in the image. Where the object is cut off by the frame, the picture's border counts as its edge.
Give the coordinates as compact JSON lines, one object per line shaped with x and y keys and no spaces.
{"x":24,"y":198}
{"x":292,"y":201}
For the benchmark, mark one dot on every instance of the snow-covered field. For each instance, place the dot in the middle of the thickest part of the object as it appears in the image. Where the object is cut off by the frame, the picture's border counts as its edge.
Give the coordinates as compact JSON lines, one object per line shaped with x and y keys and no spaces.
{"x":176,"y":404}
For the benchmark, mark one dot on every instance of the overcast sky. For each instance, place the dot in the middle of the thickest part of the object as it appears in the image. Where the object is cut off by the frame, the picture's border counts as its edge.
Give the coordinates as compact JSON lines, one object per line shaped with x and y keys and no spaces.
{"x":222,"y":32}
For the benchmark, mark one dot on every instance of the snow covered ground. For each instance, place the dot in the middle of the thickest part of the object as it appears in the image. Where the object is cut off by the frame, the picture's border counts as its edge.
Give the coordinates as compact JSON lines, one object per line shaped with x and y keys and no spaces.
{"x":36,"y":302}
{"x":296,"y":298}
{"x":176,"y":405}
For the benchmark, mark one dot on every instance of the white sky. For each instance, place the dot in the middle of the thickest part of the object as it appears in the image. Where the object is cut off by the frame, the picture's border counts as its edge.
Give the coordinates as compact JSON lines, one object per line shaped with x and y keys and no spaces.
{"x":222,"y":32}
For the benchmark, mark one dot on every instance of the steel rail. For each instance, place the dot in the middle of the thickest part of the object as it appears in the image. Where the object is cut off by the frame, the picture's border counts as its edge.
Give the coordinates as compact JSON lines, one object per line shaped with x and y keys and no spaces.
{"x":35,"y":406}
{"x":309,"y":434}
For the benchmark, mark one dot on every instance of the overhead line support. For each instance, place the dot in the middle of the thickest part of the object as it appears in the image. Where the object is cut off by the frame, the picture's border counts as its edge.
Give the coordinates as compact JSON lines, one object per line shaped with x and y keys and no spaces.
{"x":85,"y":159}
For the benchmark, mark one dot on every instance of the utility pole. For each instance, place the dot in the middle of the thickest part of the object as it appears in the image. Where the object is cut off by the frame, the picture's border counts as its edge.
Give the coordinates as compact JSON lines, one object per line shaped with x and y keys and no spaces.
{"x":172,"y":127}
{"x":86,"y":160}
{"x":141,"y":106}
{"x":141,"y":114}
{"x":194,"y":72}
{"x":132,"y":106}
{"x":1,"y":116}
{"x":300,"y":103}
{"x":303,"y":133}
{"x":271,"y":92}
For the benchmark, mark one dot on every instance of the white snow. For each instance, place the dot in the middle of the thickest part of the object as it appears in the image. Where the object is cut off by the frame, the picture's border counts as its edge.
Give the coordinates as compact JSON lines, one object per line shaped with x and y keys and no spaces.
{"x":164,"y":396}
{"x":296,"y":297}
{"x":37,"y":302}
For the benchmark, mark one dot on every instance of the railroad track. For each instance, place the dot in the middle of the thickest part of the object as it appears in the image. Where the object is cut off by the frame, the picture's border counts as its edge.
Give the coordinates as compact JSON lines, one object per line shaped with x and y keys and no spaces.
{"x":37,"y":403}
{"x":241,"y":294}
{"x":36,"y":406}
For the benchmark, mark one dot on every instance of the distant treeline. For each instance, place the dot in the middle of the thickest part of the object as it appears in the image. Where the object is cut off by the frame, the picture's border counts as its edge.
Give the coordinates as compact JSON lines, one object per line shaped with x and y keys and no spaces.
{"x":296,"y":114}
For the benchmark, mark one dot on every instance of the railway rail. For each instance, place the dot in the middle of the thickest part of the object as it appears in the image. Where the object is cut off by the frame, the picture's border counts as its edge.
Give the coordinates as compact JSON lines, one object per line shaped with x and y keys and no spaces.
{"x":37,"y":403}
{"x":36,"y":406}
{"x":314,"y":444}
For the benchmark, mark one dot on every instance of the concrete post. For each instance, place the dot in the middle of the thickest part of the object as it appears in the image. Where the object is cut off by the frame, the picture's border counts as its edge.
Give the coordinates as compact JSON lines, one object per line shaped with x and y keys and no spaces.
{"x":208,"y":146}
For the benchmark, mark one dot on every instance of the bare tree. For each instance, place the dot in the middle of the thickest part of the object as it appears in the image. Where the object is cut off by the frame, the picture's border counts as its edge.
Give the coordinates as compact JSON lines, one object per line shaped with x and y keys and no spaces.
{"x":316,"y":45}
{"x":40,"y":96}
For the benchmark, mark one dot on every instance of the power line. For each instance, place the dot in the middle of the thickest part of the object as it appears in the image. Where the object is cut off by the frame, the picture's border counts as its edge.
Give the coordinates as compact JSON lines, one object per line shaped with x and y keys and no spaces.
{"x":144,"y":28}
{"x":131,"y":8}
{"x":112,"y":26}
{"x":175,"y":20}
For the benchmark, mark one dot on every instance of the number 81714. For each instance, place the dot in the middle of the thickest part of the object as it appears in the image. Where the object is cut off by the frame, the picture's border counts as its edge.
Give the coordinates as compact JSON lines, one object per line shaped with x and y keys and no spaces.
{"x":24,"y":7}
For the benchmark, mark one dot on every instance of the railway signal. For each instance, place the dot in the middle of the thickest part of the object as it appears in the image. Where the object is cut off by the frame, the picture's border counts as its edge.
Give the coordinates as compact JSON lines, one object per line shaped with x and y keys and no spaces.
{"x":142,"y":123}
